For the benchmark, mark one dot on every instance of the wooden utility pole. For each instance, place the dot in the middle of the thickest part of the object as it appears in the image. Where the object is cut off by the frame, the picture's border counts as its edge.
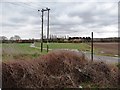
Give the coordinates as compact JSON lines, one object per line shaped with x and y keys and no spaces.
{"x":48,"y":31}
{"x":47,"y":9}
{"x":42,"y":31}
{"x":92,"y":46}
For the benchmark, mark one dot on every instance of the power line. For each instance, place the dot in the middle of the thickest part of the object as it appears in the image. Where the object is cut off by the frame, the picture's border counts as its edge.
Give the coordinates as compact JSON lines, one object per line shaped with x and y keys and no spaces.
{"x":22,"y":5}
{"x":33,"y":9}
{"x":30,"y":6}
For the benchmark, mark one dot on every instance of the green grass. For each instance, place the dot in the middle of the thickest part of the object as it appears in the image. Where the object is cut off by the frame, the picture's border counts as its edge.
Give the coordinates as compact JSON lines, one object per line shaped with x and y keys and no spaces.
{"x":24,"y":51}
{"x":78,"y":46}
{"x":17,"y":50}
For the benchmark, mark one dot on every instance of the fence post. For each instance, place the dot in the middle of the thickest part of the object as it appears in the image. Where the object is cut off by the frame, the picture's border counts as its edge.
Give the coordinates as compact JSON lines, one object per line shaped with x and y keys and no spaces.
{"x":92,"y":46}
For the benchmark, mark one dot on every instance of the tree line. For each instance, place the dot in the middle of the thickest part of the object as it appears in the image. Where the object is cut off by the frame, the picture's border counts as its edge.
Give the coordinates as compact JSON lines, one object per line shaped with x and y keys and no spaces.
{"x":17,"y":39}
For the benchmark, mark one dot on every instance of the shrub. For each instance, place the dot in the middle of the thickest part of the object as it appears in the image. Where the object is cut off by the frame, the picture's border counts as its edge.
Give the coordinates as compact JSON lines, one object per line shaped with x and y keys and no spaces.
{"x":118,"y":65}
{"x":60,"y":68}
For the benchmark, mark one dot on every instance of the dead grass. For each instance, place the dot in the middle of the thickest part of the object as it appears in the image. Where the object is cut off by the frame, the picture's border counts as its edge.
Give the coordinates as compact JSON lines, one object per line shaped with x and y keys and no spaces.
{"x":57,"y":69}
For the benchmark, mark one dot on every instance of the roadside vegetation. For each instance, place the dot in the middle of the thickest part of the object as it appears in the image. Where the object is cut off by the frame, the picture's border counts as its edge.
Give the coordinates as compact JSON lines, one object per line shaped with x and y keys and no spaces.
{"x":59,"y":69}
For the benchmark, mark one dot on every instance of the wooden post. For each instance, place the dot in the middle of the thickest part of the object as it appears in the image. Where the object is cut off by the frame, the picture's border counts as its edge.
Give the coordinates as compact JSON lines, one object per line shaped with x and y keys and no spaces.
{"x":92,"y":46}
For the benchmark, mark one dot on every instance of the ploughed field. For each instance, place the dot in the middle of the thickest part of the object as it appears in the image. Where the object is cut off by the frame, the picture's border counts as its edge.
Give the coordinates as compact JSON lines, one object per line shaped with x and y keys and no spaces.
{"x":108,"y":49}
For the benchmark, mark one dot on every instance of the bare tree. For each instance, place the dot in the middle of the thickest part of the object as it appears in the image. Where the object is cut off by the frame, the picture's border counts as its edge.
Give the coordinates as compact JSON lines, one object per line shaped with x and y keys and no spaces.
{"x":16,"y":37}
{"x":3,"y":38}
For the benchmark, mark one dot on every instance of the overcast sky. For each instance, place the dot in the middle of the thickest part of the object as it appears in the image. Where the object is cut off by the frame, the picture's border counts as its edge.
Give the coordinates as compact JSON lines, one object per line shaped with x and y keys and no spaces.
{"x":70,"y":17}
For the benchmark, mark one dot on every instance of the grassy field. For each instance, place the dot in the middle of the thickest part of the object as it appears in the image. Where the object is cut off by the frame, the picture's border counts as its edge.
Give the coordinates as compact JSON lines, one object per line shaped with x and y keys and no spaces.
{"x":78,"y":46}
{"x":14,"y":51}
{"x":19,"y":51}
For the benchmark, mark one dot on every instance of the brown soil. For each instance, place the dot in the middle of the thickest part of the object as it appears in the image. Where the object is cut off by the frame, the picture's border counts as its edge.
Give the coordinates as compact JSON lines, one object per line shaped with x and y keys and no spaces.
{"x":58,"y":69}
{"x":107,"y":48}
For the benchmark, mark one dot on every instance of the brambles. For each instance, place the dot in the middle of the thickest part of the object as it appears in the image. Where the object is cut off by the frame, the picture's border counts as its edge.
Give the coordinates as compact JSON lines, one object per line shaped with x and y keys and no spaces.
{"x":118,"y":65}
{"x":59,"y":68}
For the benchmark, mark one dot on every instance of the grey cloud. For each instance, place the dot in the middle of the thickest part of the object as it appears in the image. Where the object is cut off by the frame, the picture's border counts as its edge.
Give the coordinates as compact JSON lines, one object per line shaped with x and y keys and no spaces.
{"x":104,"y":17}
{"x":13,"y":25}
{"x":65,"y":18}
{"x":18,"y":20}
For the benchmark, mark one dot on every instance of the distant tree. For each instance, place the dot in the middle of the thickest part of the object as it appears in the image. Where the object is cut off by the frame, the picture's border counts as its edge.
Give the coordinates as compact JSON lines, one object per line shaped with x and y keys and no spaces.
{"x":3,"y":38}
{"x":11,"y":38}
{"x":16,"y":37}
{"x":88,"y":39}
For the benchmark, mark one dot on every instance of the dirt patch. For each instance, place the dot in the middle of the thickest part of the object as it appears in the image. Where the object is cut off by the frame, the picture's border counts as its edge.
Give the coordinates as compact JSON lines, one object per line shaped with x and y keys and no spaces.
{"x":107,"y":48}
{"x":57,"y":69}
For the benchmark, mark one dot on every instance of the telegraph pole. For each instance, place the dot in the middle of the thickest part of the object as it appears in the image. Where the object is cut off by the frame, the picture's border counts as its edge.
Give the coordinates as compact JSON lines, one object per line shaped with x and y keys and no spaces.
{"x":42,"y":31}
{"x":47,"y":9}
{"x":48,"y":30}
